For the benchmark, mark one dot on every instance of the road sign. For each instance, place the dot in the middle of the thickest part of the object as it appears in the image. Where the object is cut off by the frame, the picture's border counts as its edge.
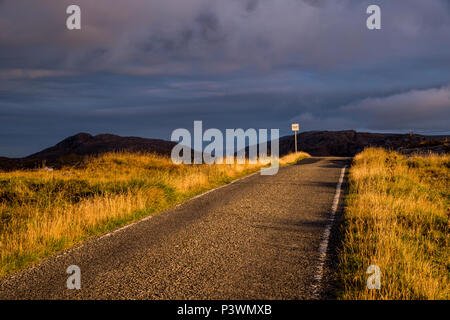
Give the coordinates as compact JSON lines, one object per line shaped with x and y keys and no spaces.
{"x":295,"y":128}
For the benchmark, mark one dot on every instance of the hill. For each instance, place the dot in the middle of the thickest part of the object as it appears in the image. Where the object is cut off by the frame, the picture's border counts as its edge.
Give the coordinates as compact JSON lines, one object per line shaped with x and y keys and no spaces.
{"x":349,"y":142}
{"x":317,"y":143}
{"x":86,"y":144}
{"x":72,"y":149}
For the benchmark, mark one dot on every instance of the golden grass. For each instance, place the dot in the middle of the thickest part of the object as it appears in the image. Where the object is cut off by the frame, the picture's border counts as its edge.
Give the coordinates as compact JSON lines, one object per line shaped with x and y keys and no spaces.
{"x":293,"y":158}
{"x":42,"y":212}
{"x":397,"y":218}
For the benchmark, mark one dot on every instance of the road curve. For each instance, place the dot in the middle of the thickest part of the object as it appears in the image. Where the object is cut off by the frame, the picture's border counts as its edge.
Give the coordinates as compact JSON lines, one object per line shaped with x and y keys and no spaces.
{"x":257,"y":238}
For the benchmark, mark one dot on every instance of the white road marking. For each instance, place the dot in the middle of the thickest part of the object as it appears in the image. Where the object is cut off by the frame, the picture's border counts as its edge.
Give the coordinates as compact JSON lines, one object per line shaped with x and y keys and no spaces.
{"x":323,"y":248}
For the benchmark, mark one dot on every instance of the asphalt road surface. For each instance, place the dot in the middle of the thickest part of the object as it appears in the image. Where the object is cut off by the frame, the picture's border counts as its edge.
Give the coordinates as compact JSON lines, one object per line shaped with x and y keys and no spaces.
{"x":257,"y":238}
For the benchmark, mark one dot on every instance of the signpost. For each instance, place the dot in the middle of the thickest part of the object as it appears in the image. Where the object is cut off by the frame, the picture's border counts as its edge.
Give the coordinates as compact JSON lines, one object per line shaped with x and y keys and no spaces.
{"x":295,"y":128}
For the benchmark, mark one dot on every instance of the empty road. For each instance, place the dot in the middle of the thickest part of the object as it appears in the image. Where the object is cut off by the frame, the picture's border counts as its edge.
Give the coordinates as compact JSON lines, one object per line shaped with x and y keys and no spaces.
{"x":257,"y":238}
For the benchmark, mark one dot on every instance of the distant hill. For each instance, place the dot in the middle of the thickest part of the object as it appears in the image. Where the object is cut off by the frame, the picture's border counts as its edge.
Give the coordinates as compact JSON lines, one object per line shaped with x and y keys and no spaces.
{"x":350,"y":142}
{"x":72,"y":149}
{"x":317,"y":143}
{"x":86,"y":144}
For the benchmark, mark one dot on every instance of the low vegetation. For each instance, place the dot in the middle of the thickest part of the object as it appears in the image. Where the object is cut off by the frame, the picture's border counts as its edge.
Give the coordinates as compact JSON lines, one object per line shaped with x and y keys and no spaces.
{"x":397,"y":218}
{"x":44,"y":212}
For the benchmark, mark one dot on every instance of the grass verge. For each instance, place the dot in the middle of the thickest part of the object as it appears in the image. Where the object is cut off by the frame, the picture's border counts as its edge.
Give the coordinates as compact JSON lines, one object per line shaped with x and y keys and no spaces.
{"x":397,"y":217}
{"x":42,"y":213}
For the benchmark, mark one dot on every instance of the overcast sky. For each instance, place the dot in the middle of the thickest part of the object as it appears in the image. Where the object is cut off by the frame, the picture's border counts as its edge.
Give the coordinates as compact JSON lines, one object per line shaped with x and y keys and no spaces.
{"x":147,"y":67}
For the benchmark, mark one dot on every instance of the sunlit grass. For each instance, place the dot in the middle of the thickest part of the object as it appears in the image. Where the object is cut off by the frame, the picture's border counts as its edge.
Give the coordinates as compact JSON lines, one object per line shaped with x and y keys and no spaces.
{"x":43,"y":212}
{"x":397,"y":218}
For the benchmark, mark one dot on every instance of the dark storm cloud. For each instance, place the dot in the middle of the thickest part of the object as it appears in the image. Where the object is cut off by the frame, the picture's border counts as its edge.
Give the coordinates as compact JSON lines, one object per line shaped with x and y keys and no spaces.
{"x":188,"y":35}
{"x":146,"y":67}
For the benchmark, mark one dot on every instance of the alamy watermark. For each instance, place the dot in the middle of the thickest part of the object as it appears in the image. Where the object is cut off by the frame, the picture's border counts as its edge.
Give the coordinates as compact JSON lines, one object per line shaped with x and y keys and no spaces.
{"x":374,"y":280}
{"x":73,"y":21}
{"x":187,"y":152}
{"x":74,"y":281}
